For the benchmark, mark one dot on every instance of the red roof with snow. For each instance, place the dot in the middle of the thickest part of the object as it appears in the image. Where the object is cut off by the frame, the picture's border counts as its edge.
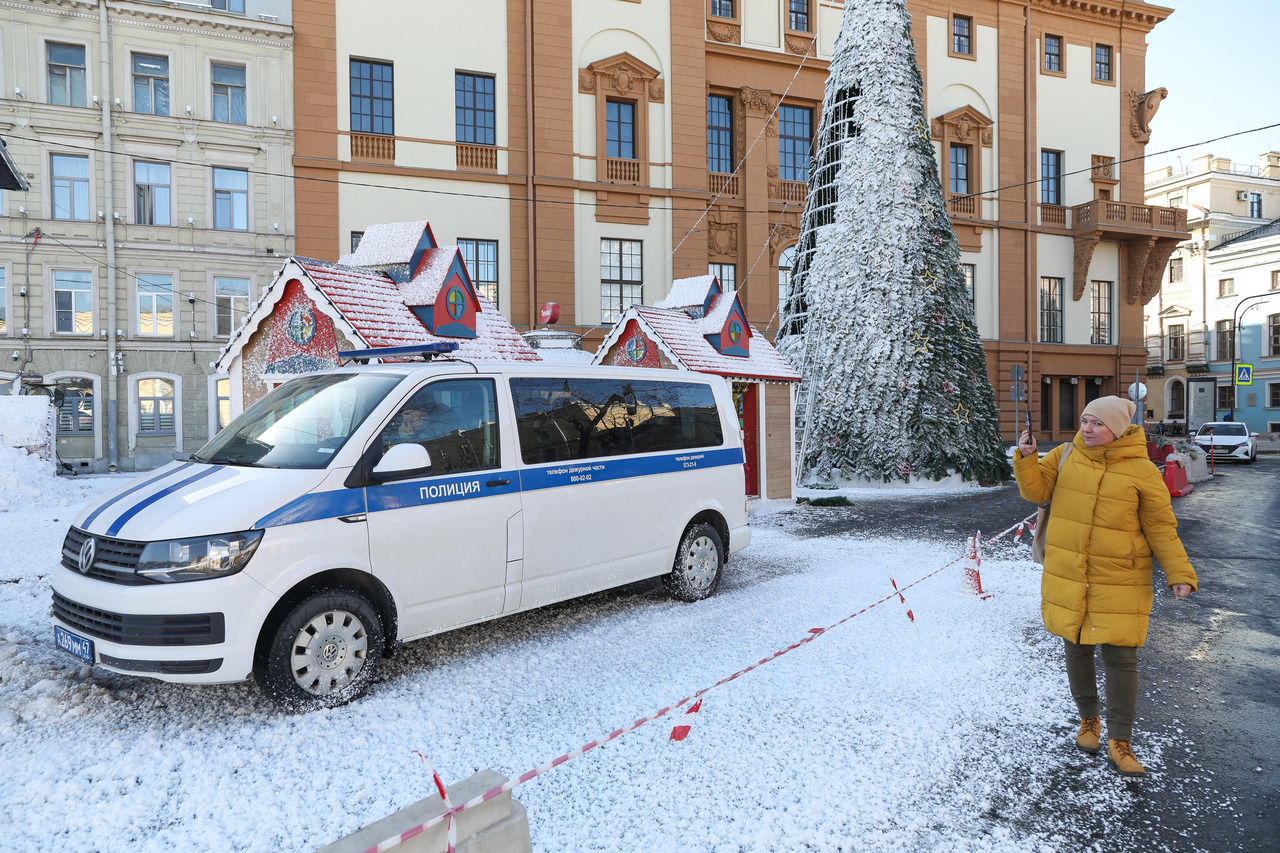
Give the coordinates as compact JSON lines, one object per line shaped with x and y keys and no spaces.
{"x":375,"y":307}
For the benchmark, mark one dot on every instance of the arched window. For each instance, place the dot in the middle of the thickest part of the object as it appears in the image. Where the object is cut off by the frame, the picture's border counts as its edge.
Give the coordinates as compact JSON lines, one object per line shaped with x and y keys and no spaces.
{"x":155,"y":406}
{"x":75,"y":412}
{"x":1177,"y":399}
{"x":785,"y":261}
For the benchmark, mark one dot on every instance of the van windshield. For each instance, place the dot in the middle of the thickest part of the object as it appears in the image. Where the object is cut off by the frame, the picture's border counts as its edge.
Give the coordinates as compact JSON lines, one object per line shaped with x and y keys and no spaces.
{"x":301,"y":424}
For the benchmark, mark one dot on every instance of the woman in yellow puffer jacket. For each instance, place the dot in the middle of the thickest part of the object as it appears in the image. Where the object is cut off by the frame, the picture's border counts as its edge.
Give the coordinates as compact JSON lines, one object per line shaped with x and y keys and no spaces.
{"x":1111,"y":512}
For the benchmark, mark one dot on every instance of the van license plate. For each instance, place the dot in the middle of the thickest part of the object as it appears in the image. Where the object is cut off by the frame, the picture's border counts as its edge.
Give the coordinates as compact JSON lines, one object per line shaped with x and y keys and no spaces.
{"x":72,"y":644}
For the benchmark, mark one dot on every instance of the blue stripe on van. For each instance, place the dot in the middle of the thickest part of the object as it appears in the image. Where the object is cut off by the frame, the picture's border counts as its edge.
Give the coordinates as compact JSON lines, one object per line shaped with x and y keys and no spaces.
{"x":596,"y":470}
{"x":321,"y":505}
{"x":148,"y":501}
{"x":97,"y":512}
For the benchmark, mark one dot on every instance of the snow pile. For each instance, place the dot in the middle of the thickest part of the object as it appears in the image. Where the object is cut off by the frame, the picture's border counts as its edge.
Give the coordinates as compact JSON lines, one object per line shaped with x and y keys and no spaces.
{"x":29,"y":423}
{"x":27,"y":480}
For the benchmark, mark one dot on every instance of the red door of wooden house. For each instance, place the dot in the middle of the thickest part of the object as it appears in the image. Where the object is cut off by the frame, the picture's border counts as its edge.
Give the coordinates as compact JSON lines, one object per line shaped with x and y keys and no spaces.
{"x":745,"y":398}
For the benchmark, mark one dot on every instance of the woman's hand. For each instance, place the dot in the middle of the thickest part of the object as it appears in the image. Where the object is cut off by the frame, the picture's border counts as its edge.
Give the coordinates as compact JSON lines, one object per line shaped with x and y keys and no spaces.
{"x":1027,"y":443}
{"x":1181,"y":590}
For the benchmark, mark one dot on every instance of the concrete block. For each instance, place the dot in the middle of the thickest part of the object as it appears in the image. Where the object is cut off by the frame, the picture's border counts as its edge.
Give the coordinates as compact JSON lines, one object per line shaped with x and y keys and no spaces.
{"x":497,"y":826}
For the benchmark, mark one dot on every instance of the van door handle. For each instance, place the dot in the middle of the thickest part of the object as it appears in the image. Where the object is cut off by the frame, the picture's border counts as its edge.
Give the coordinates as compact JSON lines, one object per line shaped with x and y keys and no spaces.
{"x":498,"y":483}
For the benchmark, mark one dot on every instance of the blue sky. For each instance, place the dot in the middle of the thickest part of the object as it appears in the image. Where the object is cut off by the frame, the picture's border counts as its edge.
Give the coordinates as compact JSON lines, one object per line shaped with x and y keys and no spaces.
{"x":1220,"y":61}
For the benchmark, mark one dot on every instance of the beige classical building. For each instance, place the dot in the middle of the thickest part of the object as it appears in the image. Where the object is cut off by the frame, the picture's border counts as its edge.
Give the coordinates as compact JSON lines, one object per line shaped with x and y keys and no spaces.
{"x":156,"y":140}
{"x":587,"y":152}
{"x":1226,"y":273}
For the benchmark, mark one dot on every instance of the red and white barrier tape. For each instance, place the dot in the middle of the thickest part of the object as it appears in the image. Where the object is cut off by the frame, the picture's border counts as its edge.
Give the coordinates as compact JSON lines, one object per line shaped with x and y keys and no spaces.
{"x":506,"y":786}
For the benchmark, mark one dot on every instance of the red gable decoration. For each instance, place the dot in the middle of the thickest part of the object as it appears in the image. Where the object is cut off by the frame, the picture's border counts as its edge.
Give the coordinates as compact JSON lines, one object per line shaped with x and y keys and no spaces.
{"x":302,"y":338}
{"x":453,"y":312}
{"x":734,"y":337}
{"x":635,"y":349}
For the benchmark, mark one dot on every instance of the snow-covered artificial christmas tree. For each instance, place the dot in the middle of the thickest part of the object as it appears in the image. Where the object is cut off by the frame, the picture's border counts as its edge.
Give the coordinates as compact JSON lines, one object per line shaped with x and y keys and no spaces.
{"x":878,"y":316}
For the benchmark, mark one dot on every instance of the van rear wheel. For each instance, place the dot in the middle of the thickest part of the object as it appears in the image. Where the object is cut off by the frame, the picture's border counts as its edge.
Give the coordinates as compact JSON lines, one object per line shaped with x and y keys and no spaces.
{"x":324,"y":652}
{"x":699,"y":562}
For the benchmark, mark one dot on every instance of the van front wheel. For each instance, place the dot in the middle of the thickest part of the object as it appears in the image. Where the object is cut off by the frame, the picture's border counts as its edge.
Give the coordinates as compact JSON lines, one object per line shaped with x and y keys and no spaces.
{"x":699,"y":561}
{"x":324,"y":652}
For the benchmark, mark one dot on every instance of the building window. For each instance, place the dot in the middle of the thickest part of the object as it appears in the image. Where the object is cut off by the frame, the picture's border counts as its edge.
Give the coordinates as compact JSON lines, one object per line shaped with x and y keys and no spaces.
{"x":151,"y":193}
{"x":795,"y":130}
{"x":1177,"y":399}
{"x":66,"y":74}
{"x":372,"y":98}
{"x":222,"y":403}
{"x":962,"y":35}
{"x":959,"y":166}
{"x":620,"y":130}
{"x":70,"y":175}
{"x":151,"y":84}
{"x":228,"y":5}
{"x":73,"y":302}
{"x":1226,"y":399}
{"x":798,"y":15}
{"x":1255,"y":205}
{"x":621,"y":275}
{"x":1053,"y":54}
{"x":1050,"y":177}
{"x":1226,"y":287}
{"x":1050,"y":310}
{"x":230,"y":304}
{"x":474,"y":109}
{"x":1175,"y":270}
{"x":719,"y":134}
{"x":1102,"y":63}
{"x":1100,"y":313}
{"x":1273,"y":397}
{"x":228,"y":93}
{"x":481,"y":258}
{"x":1177,"y":342}
{"x":1224,"y":338}
{"x":4,"y":293}
{"x":230,"y":199}
{"x":785,"y":262}
{"x":75,"y":415}
{"x":1275,"y":279}
{"x":155,"y":306}
{"x":722,"y":8}
{"x":1175,"y":201}
{"x":356,"y":237}
{"x":970,"y":273}
{"x":155,"y":407}
{"x":727,"y":274}
{"x":1273,"y":334}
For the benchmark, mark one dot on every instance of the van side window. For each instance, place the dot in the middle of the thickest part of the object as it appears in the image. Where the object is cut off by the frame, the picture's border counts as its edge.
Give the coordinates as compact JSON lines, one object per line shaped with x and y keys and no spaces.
{"x":559,"y":420}
{"x":456,"y":420}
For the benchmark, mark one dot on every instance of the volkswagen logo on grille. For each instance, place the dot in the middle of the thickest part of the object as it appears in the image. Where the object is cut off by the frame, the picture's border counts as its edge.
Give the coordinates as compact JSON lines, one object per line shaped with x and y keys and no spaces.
{"x":87,"y":554}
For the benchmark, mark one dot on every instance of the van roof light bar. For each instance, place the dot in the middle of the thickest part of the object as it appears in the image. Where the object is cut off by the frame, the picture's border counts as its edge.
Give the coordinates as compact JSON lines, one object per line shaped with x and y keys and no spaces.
{"x":427,"y":351}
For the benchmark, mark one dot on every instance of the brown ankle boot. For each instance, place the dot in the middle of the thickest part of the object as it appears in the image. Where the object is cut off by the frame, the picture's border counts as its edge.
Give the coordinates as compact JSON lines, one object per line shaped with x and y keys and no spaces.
{"x":1090,"y":732}
{"x":1120,"y":756}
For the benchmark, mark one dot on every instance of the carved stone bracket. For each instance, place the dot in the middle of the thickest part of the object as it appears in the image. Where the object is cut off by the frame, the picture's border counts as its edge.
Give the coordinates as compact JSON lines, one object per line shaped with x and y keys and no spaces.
{"x":757,"y":102}
{"x":1080,"y":270}
{"x":1139,"y":251}
{"x":1144,"y":106}
{"x":1153,"y":273}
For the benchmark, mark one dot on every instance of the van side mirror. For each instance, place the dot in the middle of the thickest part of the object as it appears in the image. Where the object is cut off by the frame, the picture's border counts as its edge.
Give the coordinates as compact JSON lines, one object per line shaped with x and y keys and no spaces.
{"x":403,"y":460}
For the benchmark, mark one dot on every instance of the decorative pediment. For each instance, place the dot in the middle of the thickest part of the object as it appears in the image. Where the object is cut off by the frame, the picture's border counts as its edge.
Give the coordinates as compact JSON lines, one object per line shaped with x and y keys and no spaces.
{"x":965,"y":125}
{"x":622,"y":74}
{"x":452,"y":313}
{"x":734,"y":337}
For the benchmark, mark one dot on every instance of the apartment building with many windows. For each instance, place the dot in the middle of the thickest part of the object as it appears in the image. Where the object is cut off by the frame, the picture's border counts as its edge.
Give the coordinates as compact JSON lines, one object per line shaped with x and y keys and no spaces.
{"x":155,"y":138}
{"x":593,"y":150}
{"x":1219,"y":303}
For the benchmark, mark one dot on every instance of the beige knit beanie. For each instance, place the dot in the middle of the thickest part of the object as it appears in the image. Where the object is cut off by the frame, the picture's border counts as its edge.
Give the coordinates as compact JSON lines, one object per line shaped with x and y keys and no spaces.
{"x":1115,"y":412}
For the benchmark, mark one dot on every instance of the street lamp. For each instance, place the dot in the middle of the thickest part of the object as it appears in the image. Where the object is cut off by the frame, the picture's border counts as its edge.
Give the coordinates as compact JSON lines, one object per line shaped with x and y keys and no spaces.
{"x":1236,"y":313}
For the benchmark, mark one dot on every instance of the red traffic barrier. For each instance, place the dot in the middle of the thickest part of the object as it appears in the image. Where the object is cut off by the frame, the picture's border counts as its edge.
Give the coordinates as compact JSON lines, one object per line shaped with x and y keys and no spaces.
{"x":1175,"y":477}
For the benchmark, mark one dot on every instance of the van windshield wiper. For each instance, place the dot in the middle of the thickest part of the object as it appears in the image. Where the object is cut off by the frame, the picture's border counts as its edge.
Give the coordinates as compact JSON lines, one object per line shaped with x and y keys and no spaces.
{"x":226,"y":460}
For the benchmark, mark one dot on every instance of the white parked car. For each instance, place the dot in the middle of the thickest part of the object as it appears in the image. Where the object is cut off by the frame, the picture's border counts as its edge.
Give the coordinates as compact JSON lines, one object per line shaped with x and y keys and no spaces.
{"x":1227,"y":440}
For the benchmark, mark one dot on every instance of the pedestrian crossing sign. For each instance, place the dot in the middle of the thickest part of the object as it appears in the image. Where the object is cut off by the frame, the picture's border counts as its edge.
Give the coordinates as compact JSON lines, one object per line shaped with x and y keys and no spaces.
{"x":1244,"y":374}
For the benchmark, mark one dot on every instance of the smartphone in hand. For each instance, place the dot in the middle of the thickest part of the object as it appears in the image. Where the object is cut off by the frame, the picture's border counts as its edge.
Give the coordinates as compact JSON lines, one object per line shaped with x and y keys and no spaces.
{"x":1028,"y":422}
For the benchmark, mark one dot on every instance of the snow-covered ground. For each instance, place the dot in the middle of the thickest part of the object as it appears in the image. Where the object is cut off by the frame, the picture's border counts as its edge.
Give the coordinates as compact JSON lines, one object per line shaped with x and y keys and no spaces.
{"x":880,"y":734}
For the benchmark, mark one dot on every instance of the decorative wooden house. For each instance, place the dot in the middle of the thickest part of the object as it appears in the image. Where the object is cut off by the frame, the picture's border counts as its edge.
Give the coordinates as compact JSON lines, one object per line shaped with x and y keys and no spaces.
{"x":397,"y":289}
{"x":701,"y":328}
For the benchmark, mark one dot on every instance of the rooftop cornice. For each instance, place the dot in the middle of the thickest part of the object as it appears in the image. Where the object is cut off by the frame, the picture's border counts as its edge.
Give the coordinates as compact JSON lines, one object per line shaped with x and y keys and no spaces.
{"x":160,"y":12}
{"x":1132,"y":13}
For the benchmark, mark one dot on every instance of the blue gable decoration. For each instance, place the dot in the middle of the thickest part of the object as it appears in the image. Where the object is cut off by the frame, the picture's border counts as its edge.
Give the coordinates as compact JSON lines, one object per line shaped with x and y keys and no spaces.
{"x":734,"y":337}
{"x":426,"y":242}
{"x":453,"y":313}
{"x":712,"y":292}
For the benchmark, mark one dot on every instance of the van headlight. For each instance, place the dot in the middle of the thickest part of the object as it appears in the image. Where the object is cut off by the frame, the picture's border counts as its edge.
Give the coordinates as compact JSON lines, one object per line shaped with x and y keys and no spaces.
{"x":199,"y":558}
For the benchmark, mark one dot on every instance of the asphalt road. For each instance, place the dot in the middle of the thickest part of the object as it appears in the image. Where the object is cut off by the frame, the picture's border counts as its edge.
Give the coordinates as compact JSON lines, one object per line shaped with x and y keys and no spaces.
{"x":1210,"y":673}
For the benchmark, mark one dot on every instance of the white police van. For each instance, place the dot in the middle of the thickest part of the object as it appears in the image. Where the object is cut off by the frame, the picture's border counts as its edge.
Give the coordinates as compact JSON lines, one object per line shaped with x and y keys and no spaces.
{"x":353,"y":509}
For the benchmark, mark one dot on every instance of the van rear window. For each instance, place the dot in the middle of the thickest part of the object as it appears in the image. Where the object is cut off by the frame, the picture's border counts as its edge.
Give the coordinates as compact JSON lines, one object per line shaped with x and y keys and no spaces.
{"x":559,"y":420}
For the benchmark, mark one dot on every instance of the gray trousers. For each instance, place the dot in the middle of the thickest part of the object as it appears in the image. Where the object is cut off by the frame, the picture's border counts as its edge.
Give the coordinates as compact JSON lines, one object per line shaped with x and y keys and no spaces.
{"x":1121,"y":665}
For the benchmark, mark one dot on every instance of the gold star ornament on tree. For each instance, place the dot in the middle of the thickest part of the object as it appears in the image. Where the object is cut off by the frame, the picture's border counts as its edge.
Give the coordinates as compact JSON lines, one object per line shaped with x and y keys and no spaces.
{"x":961,"y":413}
